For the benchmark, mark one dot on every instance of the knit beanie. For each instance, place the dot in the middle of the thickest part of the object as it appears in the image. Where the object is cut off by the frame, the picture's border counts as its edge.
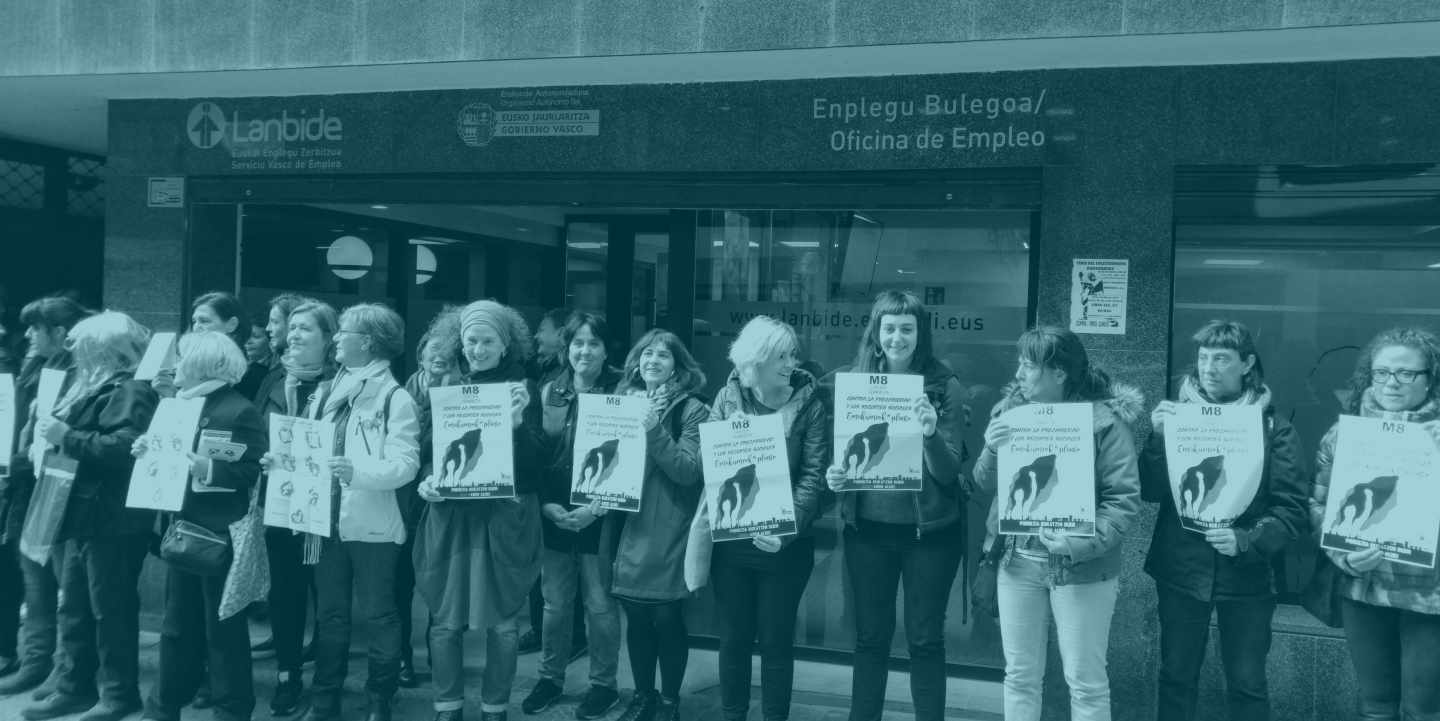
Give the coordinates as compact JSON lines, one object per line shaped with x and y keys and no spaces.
{"x":504,"y":320}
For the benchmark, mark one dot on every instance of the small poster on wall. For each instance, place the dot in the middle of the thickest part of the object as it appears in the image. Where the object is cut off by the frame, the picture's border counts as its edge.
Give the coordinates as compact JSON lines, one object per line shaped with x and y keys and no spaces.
{"x":158,"y":479}
{"x":1047,"y":470}
{"x":1215,"y":455}
{"x":1382,"y":491}
{"x":878,"y":440}
{"x":609,"y":461}
{"x":298,"y":494}
{"x":1099,"y":293}
{"x":473,"y":445}
{"x":747,"y":478}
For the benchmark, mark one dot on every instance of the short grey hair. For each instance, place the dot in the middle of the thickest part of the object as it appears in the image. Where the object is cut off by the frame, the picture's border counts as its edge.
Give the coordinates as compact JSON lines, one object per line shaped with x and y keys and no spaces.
{"x":762,"y":339}
{"x":210,"y":356}
{"x":383,"y":326}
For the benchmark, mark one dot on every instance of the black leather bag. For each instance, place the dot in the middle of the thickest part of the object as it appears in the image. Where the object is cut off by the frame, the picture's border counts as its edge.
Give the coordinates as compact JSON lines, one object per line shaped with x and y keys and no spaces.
{"x":196,"y":549}
{"x":985,"y":594}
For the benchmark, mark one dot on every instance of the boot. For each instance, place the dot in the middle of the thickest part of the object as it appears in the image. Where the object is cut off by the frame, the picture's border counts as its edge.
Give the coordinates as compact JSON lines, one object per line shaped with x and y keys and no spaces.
{"x":28,"y":677}
{"x":379,"y":708}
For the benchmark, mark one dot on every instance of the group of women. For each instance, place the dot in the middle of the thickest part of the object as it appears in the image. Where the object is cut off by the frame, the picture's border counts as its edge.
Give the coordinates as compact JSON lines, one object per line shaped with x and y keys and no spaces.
{"x":474,"y":563}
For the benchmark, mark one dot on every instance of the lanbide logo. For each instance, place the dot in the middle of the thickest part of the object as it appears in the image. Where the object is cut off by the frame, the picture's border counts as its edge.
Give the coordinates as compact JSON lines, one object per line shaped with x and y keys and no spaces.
{"x":207,"y":127}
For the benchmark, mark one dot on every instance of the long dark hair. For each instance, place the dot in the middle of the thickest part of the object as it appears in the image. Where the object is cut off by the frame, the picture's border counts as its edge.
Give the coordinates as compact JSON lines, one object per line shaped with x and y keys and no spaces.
{"x":227,"y":306}
{"x":1426,"y":343}
{"x":1054,"y":347}
{"x":1232,"y":335}
{"x":688,"y":377}
{"x":870,"y":357}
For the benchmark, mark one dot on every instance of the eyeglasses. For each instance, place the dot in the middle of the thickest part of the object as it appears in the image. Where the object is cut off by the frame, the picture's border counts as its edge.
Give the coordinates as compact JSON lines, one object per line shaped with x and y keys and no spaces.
{"x":342,"y":331}
{"x":1403,"y":376}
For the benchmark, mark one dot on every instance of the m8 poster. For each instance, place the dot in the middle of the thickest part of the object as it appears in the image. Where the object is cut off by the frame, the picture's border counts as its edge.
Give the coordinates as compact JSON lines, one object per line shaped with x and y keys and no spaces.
{"x":878,"y":441}
{"x":609,"y":453}
{"x":1382,"y":491}
{"x":473,"y":444}
{"x":1215,"y":455}
{"x":1047,"y":470}
{"x":747,"y":478}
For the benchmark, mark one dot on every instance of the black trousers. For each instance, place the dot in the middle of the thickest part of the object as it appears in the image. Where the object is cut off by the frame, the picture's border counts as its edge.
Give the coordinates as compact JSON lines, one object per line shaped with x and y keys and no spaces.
{"x":191,"y":631}
{"x":290,"y":582}
{"x":12,"y":594}
{"x":101,"y":606}
{"x":364,"y":572}
{"x":758,"y":595}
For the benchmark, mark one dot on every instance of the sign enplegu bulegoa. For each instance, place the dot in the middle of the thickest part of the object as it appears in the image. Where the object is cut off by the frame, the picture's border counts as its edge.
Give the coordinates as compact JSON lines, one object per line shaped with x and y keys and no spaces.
{"x":1047,"y":470}
{"x":609,"y":451}
{"x":747,"y":478}
{"x":878,"y":440}
{"x":1382,"y":491}
{"x":473,"y":441}
{"x":298,"y":495}
{"x":1214,"y":455}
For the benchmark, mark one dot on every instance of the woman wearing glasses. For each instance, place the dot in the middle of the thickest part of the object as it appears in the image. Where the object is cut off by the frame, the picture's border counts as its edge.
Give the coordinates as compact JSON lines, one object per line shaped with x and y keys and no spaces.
{"x":1391,"y":610}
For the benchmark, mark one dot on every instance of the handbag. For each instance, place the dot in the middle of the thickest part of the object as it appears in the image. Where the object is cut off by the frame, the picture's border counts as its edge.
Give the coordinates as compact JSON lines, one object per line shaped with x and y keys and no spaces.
{"x":698,"y":546}
{"x":1322,"y":596}
{"x":193,"y":548}
{"x":985,"y":594}
{"x":248,"y":579}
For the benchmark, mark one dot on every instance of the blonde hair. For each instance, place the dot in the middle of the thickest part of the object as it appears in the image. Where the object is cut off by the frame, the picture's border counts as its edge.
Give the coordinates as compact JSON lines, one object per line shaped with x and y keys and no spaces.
{"x":107,"y":343}
{"x":762,"y":339}
{"x":210,"y":355}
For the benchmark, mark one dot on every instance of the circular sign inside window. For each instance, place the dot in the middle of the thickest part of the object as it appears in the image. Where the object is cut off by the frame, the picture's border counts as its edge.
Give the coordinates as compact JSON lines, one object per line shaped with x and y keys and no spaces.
{"x":349,"y":257}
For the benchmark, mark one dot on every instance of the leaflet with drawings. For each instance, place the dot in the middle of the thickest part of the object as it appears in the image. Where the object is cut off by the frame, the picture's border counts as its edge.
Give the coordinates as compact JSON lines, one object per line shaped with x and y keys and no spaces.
{"x":298,"y":494}
{"x":878,"y":440}
{"x":1215,"y":456}
{"x":7,"y":422}
{"x":47,"y":394}
{"x":747,"y":477}
{"x":473,"y":441}
{"x":1047,"y":470}
{"x":609,"y":452}
{"x":1382,"y":491}
{"x":159,"y":477}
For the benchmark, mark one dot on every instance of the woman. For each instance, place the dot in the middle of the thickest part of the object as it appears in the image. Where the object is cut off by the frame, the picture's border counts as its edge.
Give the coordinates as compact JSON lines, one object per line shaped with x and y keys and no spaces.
{"x":301,"y":332}
{"x":375,"y":453}
{"x":257,"y":347}
{"x":95,"y":423}
{"x":1074,"y":578}
{"x":1391,"y":610}
{"x":1225,"y":571}
{"x":47,"y":322}
{"x":758,"y":584}
{"x":217,"y":495}
{"x":476,"y":560}
{"x":573,"y":558}
{"x":222,"y":312}
{"x":917,"y":536}
{"x":649,"y":559}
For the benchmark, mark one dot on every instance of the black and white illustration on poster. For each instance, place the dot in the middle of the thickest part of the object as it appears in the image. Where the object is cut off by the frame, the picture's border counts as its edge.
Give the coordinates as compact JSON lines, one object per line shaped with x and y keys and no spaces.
{"x":1099,"y":292}
{"x":158,"y":479}
{"x":7,"y":422}
{"x":298,"y":495}
{"x":1215,"y":456}
{"x":1047,"y":470}
{"x":609,"y":461}
{"x":1382,"y":491}
{"x":878,"y":439}
{"x":159,"y":356}
{"x":747,"y":478}
{"x":47,"y":394}
{"x":474,"y":451}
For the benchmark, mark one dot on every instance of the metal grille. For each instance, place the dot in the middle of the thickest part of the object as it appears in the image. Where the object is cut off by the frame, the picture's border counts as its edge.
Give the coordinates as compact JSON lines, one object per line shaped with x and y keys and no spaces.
{"x":22,"y":185}
{"x":85,"y":195}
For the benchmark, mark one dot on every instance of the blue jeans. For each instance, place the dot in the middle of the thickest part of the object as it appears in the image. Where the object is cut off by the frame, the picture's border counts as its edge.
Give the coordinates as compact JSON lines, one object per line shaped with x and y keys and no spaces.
{"x":1244,"y":646}
{"x":561,"y":572}
{"x":447,"y":664}
{"x":877,"y":558}
{"x":1397,"y":667}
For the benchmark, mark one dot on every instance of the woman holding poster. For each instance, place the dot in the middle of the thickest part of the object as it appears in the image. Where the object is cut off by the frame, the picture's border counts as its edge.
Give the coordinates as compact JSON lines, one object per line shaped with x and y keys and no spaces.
{"x":893,"y":534}
{"x":1251,"y":477}
{"x":649,"y":558}
{"x":475,"y":560}
{"x":1074,"y":578}
{"x":758,"y":583}
{"x":573,"y":557}
{"x":1391,"y":610}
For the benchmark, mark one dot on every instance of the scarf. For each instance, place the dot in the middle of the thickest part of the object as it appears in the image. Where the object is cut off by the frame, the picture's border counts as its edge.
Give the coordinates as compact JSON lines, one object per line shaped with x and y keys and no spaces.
{"x":201,"y":390}
{"x":343,"y":389}
{"x":1191,"y":392}
{"x":1369,"y":408}
{"x":297,"y":373}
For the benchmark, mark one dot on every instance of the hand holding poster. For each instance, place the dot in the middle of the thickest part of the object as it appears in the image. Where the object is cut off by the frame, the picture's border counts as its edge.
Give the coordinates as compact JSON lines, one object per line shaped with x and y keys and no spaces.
{"x":1215,"y":456}
{"x":159,"y":356}
{"x":747,"y":478}
{"x":1382,"y":491}
{"x":609,"y":454}
{"x":473,"y":441}
{"x":298,"y":495}
{"x":878,"y":440}
{"x":159,"y":477}
{"x":7,"y":422}
{"x":1047,"y":470}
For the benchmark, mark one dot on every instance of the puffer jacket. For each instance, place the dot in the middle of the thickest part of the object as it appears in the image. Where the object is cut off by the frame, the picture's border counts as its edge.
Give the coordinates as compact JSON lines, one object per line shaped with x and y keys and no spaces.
{"x":1185,"y":562}
{"x":941,"y":501}
{"x":559,"y":407}
{"x":103,"y":426}
{"x":1118,"y":420}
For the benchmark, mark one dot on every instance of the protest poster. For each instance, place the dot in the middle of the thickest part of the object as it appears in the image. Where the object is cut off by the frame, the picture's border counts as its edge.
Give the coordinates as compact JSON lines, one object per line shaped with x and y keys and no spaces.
{"x":47,"y":394}
{"x":1215,"y":456}
{"x":1382,"y":491}
{"x":1047,"y":470}
{"x":298,"y":495}
{"x":7,"y":422}
{"x":747,"y":478}
{"x":159,"y":356}
{"x":1099,"y":295}
{"x":878,"y":440}
{"x":473,"y":441}
{"x":158,"y":478}
{"x":609,"y":452}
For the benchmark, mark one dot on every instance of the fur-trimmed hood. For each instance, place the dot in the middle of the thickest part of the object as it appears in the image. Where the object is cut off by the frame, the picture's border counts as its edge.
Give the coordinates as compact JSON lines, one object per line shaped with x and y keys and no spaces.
{"x":1125,"y":403}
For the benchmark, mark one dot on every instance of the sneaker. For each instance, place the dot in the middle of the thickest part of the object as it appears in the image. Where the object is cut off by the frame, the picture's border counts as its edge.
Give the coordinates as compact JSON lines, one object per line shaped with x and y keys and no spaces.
{"x":598,"y":702}
{"x":109,"y":711}
{"x":529,"y":642}
{"x":286,"y":700}
{"x":668,"y":710}
{"x":264,"y":649}
{"x":642,"y":706}
{"x":545,"y":693}
{"x":57,"y":705}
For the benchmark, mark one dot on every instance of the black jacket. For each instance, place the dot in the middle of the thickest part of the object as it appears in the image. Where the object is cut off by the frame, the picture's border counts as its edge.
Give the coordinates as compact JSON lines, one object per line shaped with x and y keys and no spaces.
{"x":1185,"y":562}
{"x":559,"y":405}
{"x":227,"y":409}
{"x":103,"y":427}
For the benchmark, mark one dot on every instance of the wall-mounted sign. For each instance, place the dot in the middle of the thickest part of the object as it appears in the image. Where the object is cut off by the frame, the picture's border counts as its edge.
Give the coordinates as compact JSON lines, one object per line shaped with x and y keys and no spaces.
{"x":167,"y":193}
